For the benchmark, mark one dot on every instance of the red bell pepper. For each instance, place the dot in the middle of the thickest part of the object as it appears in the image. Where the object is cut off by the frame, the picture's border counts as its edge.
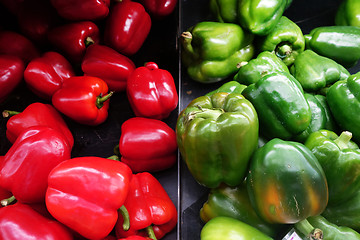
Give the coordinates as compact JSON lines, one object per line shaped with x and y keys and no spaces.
{"x":35,"y":18}
{"x":4,"y":194}
{"x":127,"y":27}
{"x":20,"y":221}
{"x":135,"y":238}
{"x":30,"y":159}
{"x":11,"y":74}
{"x":152,"y":92}
{"x":44,"y":75}
{"x":13,"y":43}
{"x":78,"y":10}
{"x":149,"y":207}
{"x":159,"y":8}
{"x":104,"y":62}
{"x":156,"y":140}
{"x":85,"y":193}
{"x":84,"y":99}
{"x":36,"y":114}
{"x":71,"y":39}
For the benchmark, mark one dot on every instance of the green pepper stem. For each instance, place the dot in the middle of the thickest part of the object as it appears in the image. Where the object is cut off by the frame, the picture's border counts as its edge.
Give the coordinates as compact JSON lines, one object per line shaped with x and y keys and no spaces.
{"x":9,"y":113}
{"x":308,"y":230}
{"x":124,"y":212}
{"x":150,"y":232}
{"x":114,"y":157}
{"x":343,"y":140}
{"x":283,"y":51}
{"x":117,"y":150}
{"x":7,"y":201}
{"x":186,"y":38}
{"x":204,"y":113}
{"x":101,"y":99}
{"x":89,"y":41}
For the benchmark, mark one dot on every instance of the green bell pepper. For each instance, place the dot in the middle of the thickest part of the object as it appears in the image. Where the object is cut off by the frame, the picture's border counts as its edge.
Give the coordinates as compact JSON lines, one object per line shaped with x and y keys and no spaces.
{"x":331,"y":231}
{"x":346,"y":213}
{"x":344,"y":46}
{"x":259,"y":16}
{"x":344,"y":102}
{"x":340,"y":160}
{"x":286,"y":40}
{"x":212,"y":50}
{"x":229,"y":87}
{"x":286,"y":183}
{"x":348,"y":13}
{"x":265,"y":63}
{"x":216,"y":136}
{"x":321,"y":116}
{"x":234,"y":202}
{"x":280,"y":104}
{"x":315,"y":72}
{"x":230,"y":229}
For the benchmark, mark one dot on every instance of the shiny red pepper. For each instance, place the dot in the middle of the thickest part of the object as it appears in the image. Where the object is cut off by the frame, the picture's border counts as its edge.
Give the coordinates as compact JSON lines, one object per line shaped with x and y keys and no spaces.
{"x":13,"y":43}
{"x":152,"y":92}
{"x":104,"y":62}
{"x":4,"y":194}
{"x":36,"y":114}
{"x":156,"y":140}
{"x":84,"y":99}
{"x":82,"y":9}
{"x":150,"y":208}
{"x":20,"y":221}
{"x":85,"y":193}
{"x":44,"y":75}
{"x":127,"y":27}
{"x":11,"y":74}
{"x":30,"y":159}
{"x":71,"y":39}
{"x":159,"y":8}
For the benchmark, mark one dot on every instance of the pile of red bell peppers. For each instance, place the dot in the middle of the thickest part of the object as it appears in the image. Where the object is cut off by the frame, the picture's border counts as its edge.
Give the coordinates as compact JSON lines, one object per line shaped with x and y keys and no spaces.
{"x":74,"y":55}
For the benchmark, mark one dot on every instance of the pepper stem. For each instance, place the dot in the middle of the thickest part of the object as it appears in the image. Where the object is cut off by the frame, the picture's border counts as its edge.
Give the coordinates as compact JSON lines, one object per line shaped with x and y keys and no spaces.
{"x":308,"y":230}
{"x":9,"y":113}
{"x":117,"y":150}
{"x":186,"y":38}
{"x":283,"y":51}
{"x":100,"y":100}
{"x":150,"y":232}
{"x":343,"y":140}
{"x":7,"y":201}
{"x":124,"y":212}
{"x":89,"y":41}
{"x":113,"y":157}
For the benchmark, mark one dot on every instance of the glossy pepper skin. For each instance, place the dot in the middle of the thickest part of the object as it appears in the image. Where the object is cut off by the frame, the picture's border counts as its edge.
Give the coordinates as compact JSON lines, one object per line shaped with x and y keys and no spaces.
{"x":156,"y":140}
{"x":218,"y":130}
{"x":82,"y":9}
{"x":315,"y":72}
{"x":30,"y":159}
{"x":212,"y":50}
{"x":286,"y":183}
{"x":150,"y":208}
{"x":230,"y":228}
{"x":286,"y":40}
{"x":234,"y":202}
{"x":20,"y":221}
{"x":344,"y":46}
{"x":151,"y":92}
{"x":344,"y":103}
{"x":71,"y":39}
{"x":331,"y":231}
{"x":84,"y":99}
{"x":14,"y":43}
{"x":348,"y":13}
{"x":104,"y":62}
{"x":229,"y":87}
{"x":281,"y":105}
{"x":127,"y":27}
{"x":36,"y":114}
{"x":90,"y":188}
{"x":44,"y":75}
{"x":340,"y":153}
{"x":159,"y":9}
{"x":321,"y":116}
{"x":11,"y":74}
{"x":346,"y":213}
{"x":264,"y":63}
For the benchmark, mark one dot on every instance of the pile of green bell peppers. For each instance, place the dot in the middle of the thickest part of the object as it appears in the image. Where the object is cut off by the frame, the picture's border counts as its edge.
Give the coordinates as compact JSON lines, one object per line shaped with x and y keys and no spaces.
{"x":277,"y":142}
